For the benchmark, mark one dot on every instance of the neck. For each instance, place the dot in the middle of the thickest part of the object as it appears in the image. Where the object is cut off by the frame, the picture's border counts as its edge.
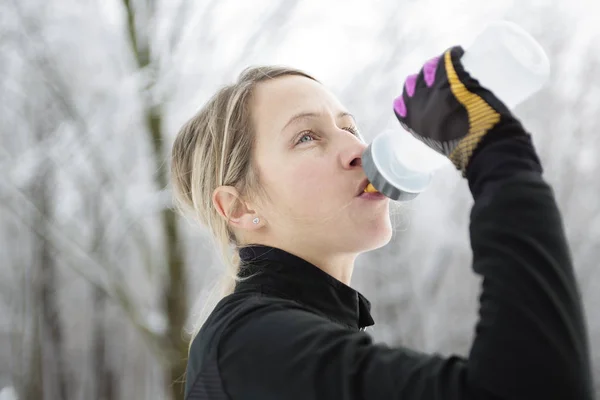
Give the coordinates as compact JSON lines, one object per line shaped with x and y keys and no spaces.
{"x":338,"y":265}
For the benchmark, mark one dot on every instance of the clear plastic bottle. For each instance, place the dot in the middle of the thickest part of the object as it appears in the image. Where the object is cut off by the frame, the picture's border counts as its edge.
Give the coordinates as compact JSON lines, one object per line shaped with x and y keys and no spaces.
{"x":503,"y":58}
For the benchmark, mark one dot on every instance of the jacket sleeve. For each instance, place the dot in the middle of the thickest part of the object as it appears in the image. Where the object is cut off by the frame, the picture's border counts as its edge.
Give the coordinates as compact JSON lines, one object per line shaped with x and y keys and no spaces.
{"x":530,"y":340}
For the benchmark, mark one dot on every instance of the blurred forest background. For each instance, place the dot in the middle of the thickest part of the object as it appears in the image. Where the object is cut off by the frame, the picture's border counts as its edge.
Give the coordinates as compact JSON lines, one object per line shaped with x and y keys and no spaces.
{"x":100,"y":280}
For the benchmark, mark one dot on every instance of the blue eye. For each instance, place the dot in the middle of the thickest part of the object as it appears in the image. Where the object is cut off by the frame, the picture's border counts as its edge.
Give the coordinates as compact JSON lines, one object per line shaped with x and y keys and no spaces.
{"x":306,"y":134}
{"x":309,"y":134}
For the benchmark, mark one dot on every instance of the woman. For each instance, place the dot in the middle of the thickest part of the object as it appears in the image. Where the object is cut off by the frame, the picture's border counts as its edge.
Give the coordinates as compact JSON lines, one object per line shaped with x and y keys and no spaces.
{"x":272,"y":165}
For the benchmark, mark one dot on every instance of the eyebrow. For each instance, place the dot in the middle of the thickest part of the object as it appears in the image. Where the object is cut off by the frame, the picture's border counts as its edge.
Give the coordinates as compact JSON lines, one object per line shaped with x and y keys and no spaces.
{"x":302,"y":115}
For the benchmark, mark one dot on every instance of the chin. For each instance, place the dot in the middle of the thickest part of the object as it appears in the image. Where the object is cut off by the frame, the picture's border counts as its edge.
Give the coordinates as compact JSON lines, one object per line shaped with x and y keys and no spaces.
{"x":374,"y":236}
{"x":381,"y":239}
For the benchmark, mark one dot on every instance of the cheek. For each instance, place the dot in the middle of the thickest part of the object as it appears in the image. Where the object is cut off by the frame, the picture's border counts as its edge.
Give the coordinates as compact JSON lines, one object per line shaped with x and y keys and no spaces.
{"x":307,"y":189}
{"x":310,"y":182}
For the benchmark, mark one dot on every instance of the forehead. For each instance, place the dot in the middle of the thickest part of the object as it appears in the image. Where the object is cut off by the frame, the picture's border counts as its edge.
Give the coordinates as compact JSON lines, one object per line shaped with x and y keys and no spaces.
{"x":275,"y":101}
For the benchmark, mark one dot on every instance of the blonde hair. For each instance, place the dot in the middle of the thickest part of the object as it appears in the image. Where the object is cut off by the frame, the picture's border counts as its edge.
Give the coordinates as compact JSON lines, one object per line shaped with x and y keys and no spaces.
{"x":212,"y":149}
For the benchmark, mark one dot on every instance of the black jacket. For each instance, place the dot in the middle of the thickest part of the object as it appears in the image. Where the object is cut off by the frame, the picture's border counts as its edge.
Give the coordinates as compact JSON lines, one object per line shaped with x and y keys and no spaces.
{"x":291,"y":331}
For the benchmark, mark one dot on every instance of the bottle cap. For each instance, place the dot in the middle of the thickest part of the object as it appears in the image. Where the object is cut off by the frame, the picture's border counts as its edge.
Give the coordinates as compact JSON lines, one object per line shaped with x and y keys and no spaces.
{"x":388,"y":174}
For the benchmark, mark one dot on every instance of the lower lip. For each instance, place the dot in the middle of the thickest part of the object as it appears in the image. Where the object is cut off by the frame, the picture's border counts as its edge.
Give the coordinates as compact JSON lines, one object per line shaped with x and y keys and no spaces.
{"x":372,"y":196}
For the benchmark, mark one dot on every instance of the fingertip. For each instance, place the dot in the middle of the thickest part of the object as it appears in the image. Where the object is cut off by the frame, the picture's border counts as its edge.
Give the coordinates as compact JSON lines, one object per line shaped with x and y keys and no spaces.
{"x":410,"y":85}
{"x":400,"y":107}
{"x":429,"y":70}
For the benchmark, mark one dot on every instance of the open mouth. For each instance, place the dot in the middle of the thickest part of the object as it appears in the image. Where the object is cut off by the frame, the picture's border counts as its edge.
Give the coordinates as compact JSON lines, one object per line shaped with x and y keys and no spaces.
{"x":370,"y":189}
{"x":363,"y":186}
{"x":366,"y":187}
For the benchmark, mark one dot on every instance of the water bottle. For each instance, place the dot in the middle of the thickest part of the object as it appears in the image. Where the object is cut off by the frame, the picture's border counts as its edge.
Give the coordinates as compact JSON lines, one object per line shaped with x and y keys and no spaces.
{"x":505,"y":59}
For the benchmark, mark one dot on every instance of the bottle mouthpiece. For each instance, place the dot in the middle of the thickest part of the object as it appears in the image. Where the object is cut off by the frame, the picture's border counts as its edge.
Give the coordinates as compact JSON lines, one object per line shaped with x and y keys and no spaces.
{"x":370,"y":189}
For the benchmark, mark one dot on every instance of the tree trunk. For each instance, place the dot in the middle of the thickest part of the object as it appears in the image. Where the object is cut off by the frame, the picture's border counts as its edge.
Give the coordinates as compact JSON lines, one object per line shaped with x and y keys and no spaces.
{"x":175,"y":290}
{"x":104,"y":382}
{"x":50,"y":334}
{"x":33,"y":382}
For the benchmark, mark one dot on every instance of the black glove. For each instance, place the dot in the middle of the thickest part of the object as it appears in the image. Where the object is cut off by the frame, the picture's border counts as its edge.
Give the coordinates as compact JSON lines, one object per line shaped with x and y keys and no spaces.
{"x":447,"y":109}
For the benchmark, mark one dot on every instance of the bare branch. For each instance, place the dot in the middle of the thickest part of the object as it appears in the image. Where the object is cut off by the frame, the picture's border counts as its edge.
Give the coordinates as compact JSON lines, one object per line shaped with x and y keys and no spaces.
{"x":59,"y":90}
{"x":141,"y":52}
{"x":113,"y":289}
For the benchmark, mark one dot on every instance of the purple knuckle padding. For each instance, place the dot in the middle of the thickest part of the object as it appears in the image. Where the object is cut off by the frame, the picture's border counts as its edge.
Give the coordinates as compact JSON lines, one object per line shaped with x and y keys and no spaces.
{"x":410,"y":84}
{"x":429,"y":70}
{"x":400,"y":107}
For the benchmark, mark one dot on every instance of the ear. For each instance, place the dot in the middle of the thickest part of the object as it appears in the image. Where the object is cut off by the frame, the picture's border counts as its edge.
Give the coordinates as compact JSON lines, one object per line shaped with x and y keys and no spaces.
{"x":234,"y":209}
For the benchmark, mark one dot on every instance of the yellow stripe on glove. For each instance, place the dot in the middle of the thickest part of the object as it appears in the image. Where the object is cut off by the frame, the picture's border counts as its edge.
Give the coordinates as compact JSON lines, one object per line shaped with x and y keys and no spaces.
{"x":482,"y":117}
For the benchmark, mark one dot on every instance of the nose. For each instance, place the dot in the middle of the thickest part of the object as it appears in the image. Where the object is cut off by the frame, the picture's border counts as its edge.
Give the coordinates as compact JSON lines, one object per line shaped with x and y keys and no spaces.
{"x":351,"y":156}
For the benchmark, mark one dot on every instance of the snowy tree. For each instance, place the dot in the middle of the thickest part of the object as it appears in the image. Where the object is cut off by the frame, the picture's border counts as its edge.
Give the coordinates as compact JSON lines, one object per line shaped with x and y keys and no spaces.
{"x":99,"y":277}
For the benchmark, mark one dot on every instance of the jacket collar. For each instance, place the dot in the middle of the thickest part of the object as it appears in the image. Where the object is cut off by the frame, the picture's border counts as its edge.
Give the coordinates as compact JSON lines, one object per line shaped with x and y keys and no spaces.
{"x":277,"y":272}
